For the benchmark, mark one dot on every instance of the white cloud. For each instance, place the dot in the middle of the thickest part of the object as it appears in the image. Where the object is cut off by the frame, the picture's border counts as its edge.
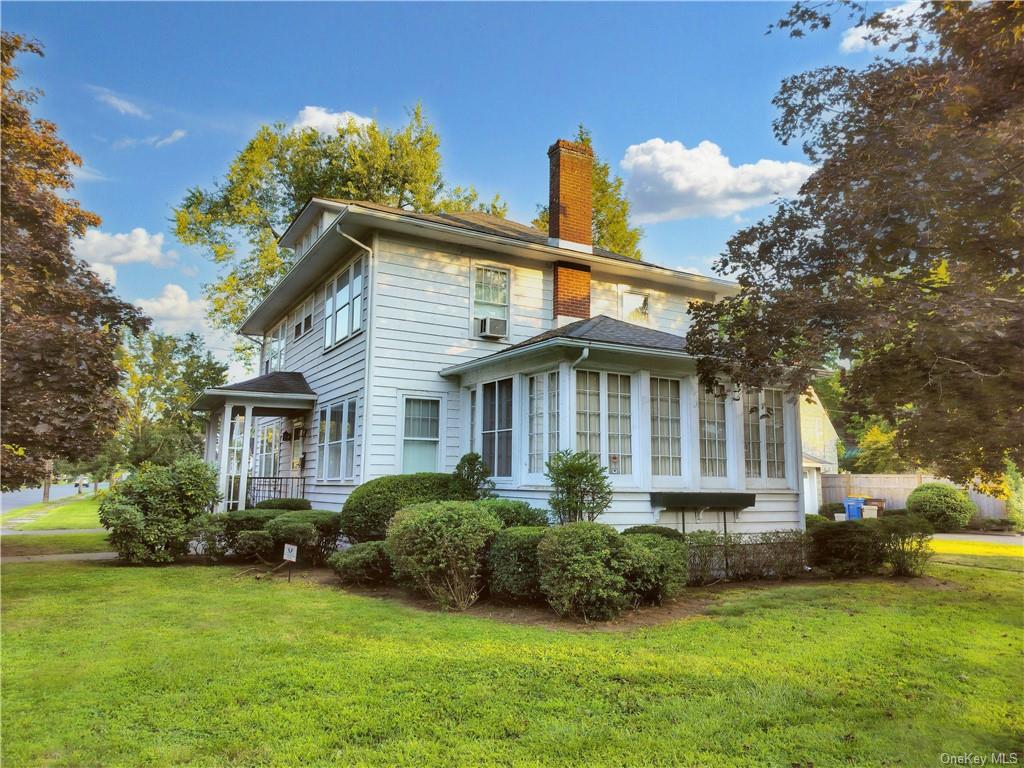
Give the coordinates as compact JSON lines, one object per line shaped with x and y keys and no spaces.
{"x":85,"y":173}
{"x":103,"y":251}
{"x":668,"y":181}
{"x":326,"y":121}
{"x":118,"y":103}
{"x":152,"y":141}
{"x":856,"y":40}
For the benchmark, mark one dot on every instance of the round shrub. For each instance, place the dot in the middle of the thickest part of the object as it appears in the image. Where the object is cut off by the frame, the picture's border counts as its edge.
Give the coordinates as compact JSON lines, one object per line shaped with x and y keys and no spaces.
{"x":514,"y":513}
{"x":812,"y":520}
{"x":906,"y":542}
{"x":286,"y":504}
{"x":581,"y":570}
{"x":441,"y":547}
{"x":944,"y":506}
{"x":655,"y":567}
{"x":371,"y":506}
{"x":849,"y":548}
{"x":366,"y":563}
{"x":315,"y":531}
{"x":240,"y":520}
{"x":473,"y":478}
{"x":254,"y":544}
{"x":656,"y":530}
{"x":512,"y":563}
{"x":831,"y":509}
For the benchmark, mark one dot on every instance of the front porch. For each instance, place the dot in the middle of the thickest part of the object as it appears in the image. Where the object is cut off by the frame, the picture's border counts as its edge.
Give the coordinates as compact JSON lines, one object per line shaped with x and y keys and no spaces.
{"x":249,"y":470}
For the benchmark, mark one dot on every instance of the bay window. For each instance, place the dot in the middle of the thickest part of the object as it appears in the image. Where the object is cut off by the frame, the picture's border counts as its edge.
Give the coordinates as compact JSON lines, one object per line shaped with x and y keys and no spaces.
{"x":343,"y":304}
{"x":620,"y":425}
{"x":336,"y":441}
{"x":666,"y":429}
{"x":604,"y":419}
{"x":588,"y":412}
{"x":764,"y":435}
{"x":421,"y":434}
{"x":713,"y":456}
{"x":542,"y":419}
{"x":496,"y":427}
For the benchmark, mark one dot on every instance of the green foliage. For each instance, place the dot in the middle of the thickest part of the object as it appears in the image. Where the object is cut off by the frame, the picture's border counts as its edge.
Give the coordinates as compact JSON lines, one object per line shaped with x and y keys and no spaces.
{"x":514,"y":573}
{"x":877,"y":452}
{"x":611,"y":229}
{"x":209,"y":534}
{"x":441,"y":547}
{"x":850,"y":548}
{"x":366,"y":563}
{"x":581,"y":570}
{"x":254,"y":544}
{"x":580,"y":488}
{"x":705,"y":561}
{"x":812,"y":520}
{"x":151,"y":516}
{"x":239,"y":521}
{"x":654,"y":567}
{"x":1014,"y":496}
{"x":657,"y":530}
{"x":315,"y":531}
{"x":946,"y":507}
{"x":831,"y":509}
{"x":512,"y":512}
{"x":284,"y":504}
{"x":473,"y":477}
{"x":370,"y":507}
{"x":906,"y":542}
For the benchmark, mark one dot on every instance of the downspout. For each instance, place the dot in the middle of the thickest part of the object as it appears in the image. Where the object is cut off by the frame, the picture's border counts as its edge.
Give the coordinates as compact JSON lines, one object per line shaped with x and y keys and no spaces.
{"x":370,"y":290}
{"x":583,"y":356}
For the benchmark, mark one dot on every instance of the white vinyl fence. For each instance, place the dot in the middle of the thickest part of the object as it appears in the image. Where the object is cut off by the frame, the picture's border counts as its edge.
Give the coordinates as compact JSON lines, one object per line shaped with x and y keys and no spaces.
{"x":895,"y":489}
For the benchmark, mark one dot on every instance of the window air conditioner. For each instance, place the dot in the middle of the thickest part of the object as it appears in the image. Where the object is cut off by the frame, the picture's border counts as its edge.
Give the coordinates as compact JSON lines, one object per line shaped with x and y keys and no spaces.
{"x":492,"y":327}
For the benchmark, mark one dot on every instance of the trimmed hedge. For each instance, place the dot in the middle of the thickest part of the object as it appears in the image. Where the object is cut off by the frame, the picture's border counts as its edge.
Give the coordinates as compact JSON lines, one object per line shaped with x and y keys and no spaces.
{"x":246,"y":520}
{"x":906,"y":542}
{"x":946,"y":507}
{"x":812,"y":520}
{"x":830,"y":510}
{"x":515,"y":514}
{"x":441,"y":546}
{"x":850,"y":548}
{"x":286,"y":504}
{"x":657,"y":530}
{"x":366,"y":563}
{"x":254,"y":544}
{"x":655,"y":567}
{"x":512,"y":563}
{"x":370,"y":507}
{"x":315,"y":531}
{"x":581,"y":570}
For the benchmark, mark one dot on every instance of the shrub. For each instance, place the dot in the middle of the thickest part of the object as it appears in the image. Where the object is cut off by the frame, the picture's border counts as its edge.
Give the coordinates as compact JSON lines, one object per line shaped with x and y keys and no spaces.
{"x":894,"y":512}
{"x":654,"y":567}
{"x":656,"y":530}
{"x":366,"y":563}
{"x":473,"y":478}
{"x":240,"y":520}
{"x":848,"y":548}
{"x":370,"y":507}
{"x":513,"y":513}
{"x":1014,"y":496}
{"x":831,"y":509}
{"x":254,"y":544}
{"x":580,"y":488}
{"x":812,"y":520}
{"x":315,"y":531}
{"x":581,"y":570}
{"x":152,"y":515}
{"x":783,"y":553}
{"x":944,"y":506}
{"x":704,"y":557}
{"x":906,"y":542}
{"x":441,"y":547}
{"x":512,"y":563}
{"x":209,"y":534}
{"x":286,"y":504}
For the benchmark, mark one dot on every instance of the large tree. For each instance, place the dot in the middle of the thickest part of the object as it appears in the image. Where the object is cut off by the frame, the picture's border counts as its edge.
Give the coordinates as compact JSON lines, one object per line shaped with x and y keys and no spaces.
{"x":61,"y":324}
{"x":903,"y":250}
{"x":611,"y":228}
{"x":237,"y":221}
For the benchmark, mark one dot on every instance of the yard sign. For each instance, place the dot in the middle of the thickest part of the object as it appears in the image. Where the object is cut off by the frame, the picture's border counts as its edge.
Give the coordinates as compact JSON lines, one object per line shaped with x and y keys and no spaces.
{"x":291,"y":552}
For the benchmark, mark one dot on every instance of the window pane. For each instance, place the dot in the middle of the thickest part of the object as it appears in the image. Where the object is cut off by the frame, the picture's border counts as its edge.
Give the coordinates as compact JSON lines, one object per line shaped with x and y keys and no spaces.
{"x":472,"y":420}
{"x":775,"y":433}
{"x":334,"y":461}
{"x":335,"y":427}
{"x":322,"y":430}
{"x":329,"y":315}
{"x":713,"y":461}
{"x":419,"y":456}
{"x":490,"y":400}
{"x":635,"y":307}
{"x":752,"y":434}
{"x":588,"y":412}
{"x":350,"y":420}
{"x":504,"y":454}
{"x":620,"y":425}
{"x":497,"y":427}
{"x":490,"y":293}
{"x":552,"y":413}
{"x":535,"y":419}
{"x":665,"y":429}
{"x":505,"y":404}
{"x":422,"y":418}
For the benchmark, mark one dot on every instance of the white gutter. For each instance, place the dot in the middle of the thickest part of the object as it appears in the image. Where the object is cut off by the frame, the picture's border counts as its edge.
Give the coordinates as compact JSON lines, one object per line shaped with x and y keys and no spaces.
{"x":370,"y":290}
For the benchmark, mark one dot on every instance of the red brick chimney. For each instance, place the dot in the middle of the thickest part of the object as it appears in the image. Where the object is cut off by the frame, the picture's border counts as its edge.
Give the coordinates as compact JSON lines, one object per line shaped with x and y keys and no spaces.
{"x":570,"y":202}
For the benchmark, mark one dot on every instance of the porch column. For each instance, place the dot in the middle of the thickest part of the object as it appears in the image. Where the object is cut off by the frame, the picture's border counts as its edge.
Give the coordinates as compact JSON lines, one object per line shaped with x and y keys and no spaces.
{"x":243,"y":480}
{"x":225,"y":450}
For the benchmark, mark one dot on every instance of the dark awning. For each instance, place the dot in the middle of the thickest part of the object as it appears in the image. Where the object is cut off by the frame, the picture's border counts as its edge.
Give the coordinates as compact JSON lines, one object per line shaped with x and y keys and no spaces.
{"x":702,"y":500}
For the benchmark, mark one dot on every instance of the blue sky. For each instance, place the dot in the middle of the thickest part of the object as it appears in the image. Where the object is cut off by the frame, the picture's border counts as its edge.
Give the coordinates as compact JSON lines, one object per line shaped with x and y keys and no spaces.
{"x":160,"y":97}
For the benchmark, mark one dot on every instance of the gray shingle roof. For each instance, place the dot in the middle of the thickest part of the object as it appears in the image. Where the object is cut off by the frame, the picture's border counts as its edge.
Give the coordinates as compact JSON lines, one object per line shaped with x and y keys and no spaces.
{"x":609,"y":331}
{"x":278,"y":382}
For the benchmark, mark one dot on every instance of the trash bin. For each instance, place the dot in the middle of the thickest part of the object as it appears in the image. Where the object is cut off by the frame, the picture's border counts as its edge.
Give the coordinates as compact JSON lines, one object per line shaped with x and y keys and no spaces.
{"x":853,"y":508}
{"x":879,"y":503}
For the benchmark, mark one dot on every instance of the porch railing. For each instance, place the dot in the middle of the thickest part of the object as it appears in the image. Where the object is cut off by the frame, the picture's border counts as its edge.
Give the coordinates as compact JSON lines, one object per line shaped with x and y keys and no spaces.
{"x":264,"y":488}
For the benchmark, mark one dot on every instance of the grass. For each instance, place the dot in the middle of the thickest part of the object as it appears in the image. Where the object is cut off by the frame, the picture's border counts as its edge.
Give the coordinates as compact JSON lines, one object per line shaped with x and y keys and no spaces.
{"x":1004,"y":557}
{"x":111,"y":665}
{"x":70,"y":513}
{"x":63,"y":543}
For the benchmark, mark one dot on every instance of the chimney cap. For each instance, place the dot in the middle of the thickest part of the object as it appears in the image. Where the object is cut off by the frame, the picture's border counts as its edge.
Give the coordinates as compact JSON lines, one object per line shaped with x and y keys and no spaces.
{"x":570,"y":146}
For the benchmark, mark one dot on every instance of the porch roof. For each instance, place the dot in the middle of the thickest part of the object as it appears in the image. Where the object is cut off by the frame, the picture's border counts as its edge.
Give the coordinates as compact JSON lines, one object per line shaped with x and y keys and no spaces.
{"x":280,"y":390}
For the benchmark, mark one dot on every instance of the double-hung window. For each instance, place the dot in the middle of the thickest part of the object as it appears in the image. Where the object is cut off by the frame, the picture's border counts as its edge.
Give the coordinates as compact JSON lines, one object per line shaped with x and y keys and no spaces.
{"x":491,"y":299}
{"x":336,"y":441}
{"x":343,"y":304}
{"x":268,"y":443}
{"x":636,"y":307}
{"x":421,"y":434}
{"x":496,"y":427}
{"x":713,"y":451}
{"x":604,"y":419}
{"x":273,"y":349}
{"x":302,"y":321}
{"x":542,"y":402}
{"x":764,"y":435}
{"x":666,"y":429}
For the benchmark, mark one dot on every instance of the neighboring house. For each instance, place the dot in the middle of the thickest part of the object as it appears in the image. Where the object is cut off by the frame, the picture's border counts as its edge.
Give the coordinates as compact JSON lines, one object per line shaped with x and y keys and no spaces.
{"x":820,"y":450}
{"x":400,"y":341}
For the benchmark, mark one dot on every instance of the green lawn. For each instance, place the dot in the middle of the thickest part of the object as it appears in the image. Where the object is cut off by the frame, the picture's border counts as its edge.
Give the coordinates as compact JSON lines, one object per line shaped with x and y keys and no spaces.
{"x":1004,"y":557}
{"x":73,"y":512}
{"x":111,"y":665}
{"x":63,"y":543}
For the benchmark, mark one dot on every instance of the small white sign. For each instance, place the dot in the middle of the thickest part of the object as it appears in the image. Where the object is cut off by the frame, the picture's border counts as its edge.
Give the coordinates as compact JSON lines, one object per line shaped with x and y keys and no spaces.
{"x":291,"y":552}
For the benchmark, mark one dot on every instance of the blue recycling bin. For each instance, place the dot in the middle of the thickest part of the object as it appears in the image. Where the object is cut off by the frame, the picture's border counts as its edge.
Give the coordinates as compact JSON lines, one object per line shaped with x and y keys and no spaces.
{"x":854,"y":508}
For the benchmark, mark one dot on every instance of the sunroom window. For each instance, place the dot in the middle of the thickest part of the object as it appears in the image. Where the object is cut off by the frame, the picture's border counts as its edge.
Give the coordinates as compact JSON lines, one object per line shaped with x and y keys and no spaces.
{"x":543,"y":419}
{"x":713,"y":461}
{"x":666,"y":445}
{"x":268,"y":443}
{"x":764,"y":434}
{"x":496,"y":427}
{"x":620,"y":425}
{"x":343,"y":304}
{"x":604,"y":401}
{"x":588,"y":412}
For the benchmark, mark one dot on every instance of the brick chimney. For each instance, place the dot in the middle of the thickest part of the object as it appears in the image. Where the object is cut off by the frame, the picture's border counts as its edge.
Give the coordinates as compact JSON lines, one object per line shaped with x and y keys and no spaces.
{"x":570,"y":202}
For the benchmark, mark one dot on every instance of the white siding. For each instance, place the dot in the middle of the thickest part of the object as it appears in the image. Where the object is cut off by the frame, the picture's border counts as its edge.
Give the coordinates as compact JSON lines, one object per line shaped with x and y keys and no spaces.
{"x":668,"y":311}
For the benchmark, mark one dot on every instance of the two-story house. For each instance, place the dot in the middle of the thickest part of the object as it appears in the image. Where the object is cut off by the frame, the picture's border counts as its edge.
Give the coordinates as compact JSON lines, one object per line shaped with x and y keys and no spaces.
{"x":400,"y":341}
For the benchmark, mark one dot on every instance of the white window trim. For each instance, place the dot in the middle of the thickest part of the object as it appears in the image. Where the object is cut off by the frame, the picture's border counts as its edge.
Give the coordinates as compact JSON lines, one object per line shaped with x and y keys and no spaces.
{"x":282,"y":355}
{"x":330,"y":291}
{"x":763,"y":481}
{"x":474,"y":266}
{"x":348,"y":473}
{"x":516,"y":469}
{"x":298,"y":317}
{"x":637,"y":434}
{"x":537,"y":478}
{"x":728,"y":480}
{"x":259,"y":454}
{"x":442,"y":420}
{"x":683,"y":476}
{"x":623,"y":291}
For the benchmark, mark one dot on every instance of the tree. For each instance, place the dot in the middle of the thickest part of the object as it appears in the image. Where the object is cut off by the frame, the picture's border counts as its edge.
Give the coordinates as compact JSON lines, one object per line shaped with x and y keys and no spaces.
{"x":876,"y":450}
{"x":61,"y":324}
{"x":611,"y":229}
{"x":238,"y":220}
{"x":903,"y":249}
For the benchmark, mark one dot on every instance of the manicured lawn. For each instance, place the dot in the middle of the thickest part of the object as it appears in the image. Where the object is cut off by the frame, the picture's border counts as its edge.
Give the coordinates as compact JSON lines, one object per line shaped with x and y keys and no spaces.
{"x":75,"y":512}
{"x":1007,"y":557}
{"x":111,"y":665}
{"x":63,"y":543}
